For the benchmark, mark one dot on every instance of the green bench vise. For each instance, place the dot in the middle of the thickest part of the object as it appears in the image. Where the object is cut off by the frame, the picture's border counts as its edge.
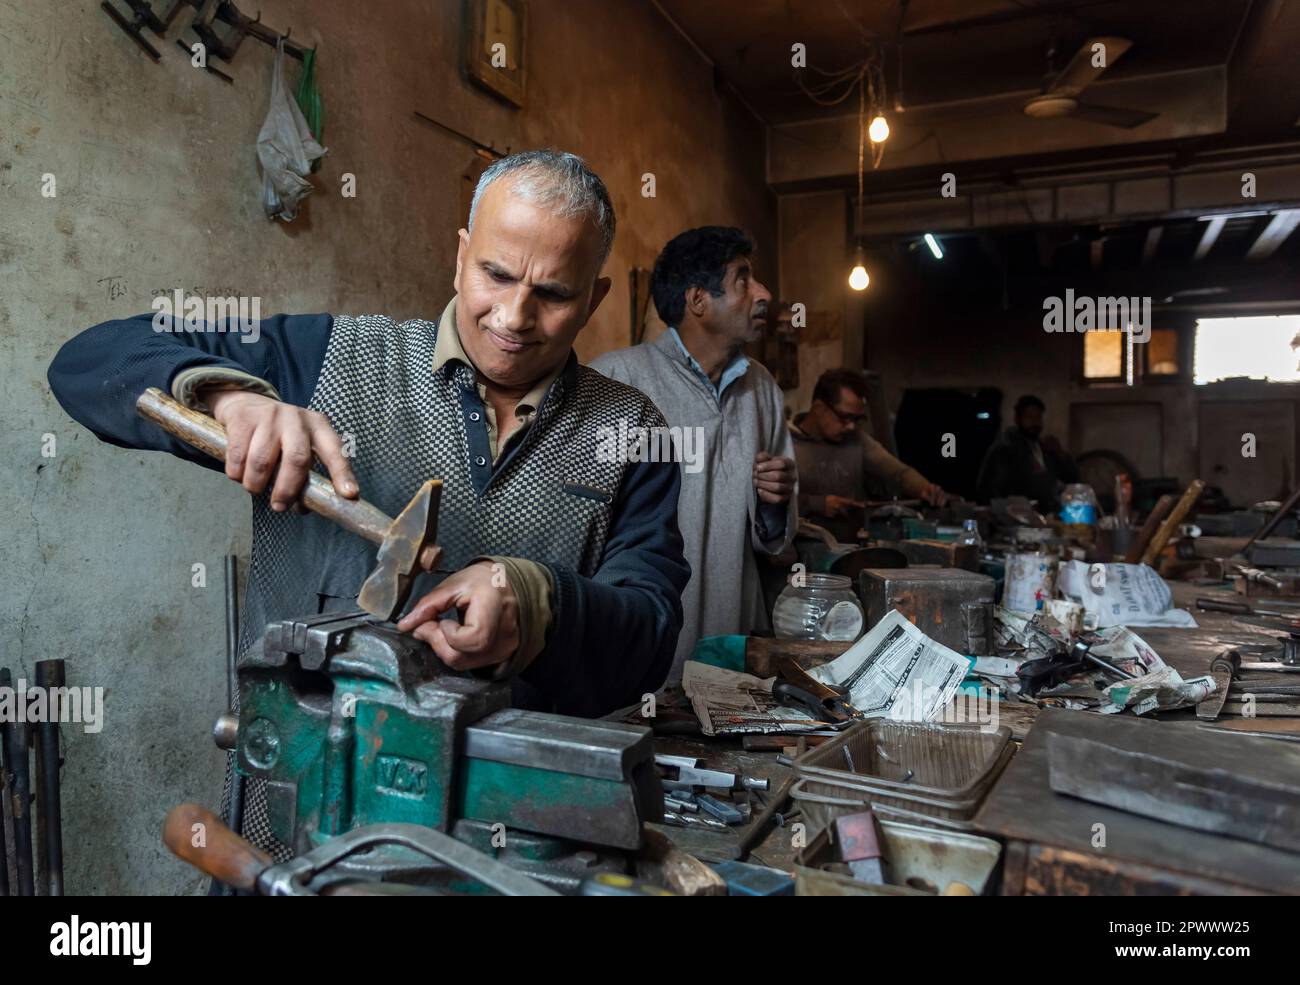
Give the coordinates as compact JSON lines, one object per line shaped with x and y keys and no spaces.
{"x":352,"y":723}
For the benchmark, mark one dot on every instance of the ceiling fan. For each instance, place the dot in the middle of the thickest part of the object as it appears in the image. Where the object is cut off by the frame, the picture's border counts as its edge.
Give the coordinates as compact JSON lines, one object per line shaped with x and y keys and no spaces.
{"x":1061,"y":90}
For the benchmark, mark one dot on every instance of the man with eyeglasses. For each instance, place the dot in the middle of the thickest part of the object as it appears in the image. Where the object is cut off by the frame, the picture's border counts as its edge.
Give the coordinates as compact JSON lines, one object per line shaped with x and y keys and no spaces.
{"x":836,"y":458}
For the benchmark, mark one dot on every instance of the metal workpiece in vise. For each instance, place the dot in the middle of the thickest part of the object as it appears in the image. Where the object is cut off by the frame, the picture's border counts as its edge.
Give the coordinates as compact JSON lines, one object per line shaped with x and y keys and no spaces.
{"x":352,"y":723}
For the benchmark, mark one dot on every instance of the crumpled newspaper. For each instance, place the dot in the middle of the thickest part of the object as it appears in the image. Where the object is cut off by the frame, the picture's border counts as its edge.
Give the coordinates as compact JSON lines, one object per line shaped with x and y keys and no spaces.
{"x":729,"y":702}
{"x":1158,"y":686}
{"x":285,"y":149}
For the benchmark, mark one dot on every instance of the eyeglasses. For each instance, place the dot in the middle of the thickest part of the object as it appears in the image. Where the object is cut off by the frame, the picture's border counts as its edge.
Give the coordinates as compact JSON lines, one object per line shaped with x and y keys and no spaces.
{"x":852,"y":419}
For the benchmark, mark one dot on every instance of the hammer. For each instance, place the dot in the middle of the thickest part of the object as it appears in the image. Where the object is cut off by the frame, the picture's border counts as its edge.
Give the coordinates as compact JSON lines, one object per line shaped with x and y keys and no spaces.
{"x":406,"y":544}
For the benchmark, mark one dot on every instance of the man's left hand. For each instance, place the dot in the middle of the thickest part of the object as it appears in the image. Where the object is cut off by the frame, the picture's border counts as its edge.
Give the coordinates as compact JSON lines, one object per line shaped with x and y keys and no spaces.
{"x":773,"y":478}
{"x":489,"y":629}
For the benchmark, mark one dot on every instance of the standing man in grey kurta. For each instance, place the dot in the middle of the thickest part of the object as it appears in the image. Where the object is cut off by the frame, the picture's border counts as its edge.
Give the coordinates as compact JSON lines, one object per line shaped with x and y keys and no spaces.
{"x":738,"y":480}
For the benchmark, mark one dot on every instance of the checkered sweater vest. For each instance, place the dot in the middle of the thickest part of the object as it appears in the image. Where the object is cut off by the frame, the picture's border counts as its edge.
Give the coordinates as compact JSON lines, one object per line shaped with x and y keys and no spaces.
{"x":551,"y":500}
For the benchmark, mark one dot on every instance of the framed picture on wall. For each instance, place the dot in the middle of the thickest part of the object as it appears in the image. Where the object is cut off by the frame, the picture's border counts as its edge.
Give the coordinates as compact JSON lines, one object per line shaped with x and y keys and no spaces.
{"x":494,"y":37}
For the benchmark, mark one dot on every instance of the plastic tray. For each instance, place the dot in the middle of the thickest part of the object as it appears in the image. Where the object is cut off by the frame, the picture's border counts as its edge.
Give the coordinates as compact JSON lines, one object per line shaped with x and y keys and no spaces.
{"x":953,"y":767}
{"x":820,"y":810}
{"x":945,"y":762}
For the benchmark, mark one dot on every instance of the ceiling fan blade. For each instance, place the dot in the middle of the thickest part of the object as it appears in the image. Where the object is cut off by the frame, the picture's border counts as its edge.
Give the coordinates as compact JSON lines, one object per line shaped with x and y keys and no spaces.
{"x":1081,"y":72}
{"x":1112,"y":116}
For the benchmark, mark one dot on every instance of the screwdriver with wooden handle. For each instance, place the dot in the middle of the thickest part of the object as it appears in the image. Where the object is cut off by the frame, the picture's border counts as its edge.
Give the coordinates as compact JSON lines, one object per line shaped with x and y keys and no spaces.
{"x":406,"y":544}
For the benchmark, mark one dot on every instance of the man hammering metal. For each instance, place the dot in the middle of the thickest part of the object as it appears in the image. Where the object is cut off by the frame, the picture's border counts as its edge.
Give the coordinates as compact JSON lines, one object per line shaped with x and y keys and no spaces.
{"x":557,"y":570}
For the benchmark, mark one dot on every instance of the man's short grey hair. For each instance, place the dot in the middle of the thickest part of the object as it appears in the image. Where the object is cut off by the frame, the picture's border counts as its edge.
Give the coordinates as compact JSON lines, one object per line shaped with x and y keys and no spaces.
{"x":559,"y":181}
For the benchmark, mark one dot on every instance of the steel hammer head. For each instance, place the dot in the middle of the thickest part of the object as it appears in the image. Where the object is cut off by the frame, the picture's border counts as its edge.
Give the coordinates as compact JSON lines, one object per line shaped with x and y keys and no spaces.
{"x":408,"y":548}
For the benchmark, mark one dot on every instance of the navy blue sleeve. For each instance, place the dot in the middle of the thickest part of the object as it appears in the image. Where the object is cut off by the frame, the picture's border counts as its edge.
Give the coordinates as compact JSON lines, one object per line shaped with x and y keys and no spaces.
{"x":771,"y":520}
{"x":613,"y":635}
{"x":97,"y":375}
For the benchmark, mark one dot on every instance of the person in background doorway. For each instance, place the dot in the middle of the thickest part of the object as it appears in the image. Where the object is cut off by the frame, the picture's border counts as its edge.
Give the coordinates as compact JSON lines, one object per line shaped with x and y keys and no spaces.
{"x":1024,"y":463}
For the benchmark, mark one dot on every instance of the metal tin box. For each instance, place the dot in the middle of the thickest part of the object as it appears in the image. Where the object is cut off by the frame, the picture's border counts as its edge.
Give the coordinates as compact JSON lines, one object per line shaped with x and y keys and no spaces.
{"x":952,"y":606}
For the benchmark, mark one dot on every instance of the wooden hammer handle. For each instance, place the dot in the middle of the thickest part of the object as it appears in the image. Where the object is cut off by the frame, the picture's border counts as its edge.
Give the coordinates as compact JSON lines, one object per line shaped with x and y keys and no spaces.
{"x":319,"y":496}
{"x":1148,"y":530}
{"x":1176,"y":516}
{"x":198,"y":836}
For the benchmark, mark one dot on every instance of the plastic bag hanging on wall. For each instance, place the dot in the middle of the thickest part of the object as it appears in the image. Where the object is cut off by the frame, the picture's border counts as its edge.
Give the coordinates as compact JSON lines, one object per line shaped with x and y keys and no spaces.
{"x":285,"y":149}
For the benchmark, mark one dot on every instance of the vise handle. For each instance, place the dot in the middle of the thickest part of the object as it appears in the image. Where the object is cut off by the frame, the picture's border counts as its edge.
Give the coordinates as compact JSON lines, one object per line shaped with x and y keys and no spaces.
{"x":319,"y":495}
{"x":193,"y":833}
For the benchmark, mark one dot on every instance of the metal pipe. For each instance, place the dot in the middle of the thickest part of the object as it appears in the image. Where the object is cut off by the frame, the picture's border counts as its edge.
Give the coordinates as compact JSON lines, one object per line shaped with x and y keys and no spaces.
{"x":50,"y":675}
{"x":235,"y":819}
{"x":4,"y":798}
{"x":19,"y":803}
{"x":1274,"y":520}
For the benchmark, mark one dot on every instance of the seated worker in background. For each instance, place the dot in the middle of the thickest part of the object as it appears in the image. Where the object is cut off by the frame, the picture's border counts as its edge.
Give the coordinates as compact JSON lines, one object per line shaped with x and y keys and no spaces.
{"x":836,"y":458}
{"x":584,"y":609}
{"x":1024,"y":463}
{"x":738,"y":495}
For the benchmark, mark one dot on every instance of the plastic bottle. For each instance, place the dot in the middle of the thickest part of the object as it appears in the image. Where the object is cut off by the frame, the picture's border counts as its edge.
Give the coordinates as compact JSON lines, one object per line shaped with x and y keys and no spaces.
{"x":1079,"y":504}
{"x":970,"y":534}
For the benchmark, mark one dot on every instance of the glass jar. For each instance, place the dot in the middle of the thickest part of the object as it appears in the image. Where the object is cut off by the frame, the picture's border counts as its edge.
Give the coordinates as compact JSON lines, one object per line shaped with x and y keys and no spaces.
{"x":819,"y":607}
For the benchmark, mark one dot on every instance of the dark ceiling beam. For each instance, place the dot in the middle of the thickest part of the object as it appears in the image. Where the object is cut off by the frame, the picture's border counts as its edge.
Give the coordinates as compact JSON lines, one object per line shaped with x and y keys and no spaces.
{"x":1021,"y":13}
{"x":1263,"y":91}
{"x":1151,"y":244}
{"x":1213,"y":227}
{"x":1279,"y":227}
{"x":1265,"y":282}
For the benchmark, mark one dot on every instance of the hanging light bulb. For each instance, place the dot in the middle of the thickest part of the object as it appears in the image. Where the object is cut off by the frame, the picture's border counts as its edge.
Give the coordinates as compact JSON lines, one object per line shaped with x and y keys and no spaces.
{"x":878,"y":131}
{"x":858,"y":276}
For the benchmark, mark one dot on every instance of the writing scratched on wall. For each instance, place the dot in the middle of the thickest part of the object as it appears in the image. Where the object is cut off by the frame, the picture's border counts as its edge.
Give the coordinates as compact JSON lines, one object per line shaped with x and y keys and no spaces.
{"x":114,"y":286}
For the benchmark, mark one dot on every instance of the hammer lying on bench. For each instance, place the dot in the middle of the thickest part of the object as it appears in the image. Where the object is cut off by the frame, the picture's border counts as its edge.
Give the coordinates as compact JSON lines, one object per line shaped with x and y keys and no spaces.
{"x":406,"y":544}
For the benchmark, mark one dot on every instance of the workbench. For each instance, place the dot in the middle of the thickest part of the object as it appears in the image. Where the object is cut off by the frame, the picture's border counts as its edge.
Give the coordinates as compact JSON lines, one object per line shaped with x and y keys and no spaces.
{"x":1049,"y":843}
{"x":1047,"y":837}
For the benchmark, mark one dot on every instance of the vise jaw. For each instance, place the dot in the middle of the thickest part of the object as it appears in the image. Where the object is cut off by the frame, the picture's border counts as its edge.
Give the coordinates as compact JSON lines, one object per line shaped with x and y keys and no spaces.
{"x":352,"y":723}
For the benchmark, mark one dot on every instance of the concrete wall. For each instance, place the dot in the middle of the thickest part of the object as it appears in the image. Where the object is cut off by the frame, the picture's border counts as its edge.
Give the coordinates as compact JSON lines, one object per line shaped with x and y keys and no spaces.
{"x":157,"y":188}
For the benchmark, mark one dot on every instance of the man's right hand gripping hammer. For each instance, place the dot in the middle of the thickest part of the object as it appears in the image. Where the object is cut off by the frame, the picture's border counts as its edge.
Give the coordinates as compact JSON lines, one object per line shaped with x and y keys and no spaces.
{"x":264,"y":433}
